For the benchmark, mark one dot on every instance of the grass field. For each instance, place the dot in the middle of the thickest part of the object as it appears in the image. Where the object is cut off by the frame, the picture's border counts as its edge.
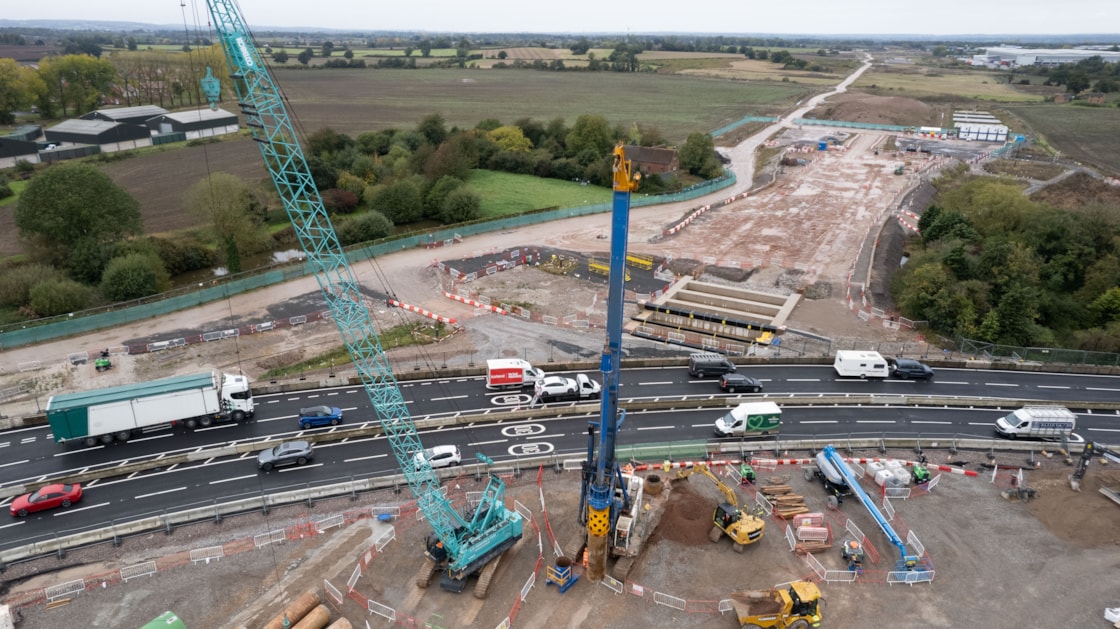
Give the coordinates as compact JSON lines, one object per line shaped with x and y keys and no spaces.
{"x":354,"y":101}
{"x":17,"y":187}
{"x":740,"y":68}
{"x":503,"y":193}
{"x":924,"y":82}
{"x":1085,"y":134}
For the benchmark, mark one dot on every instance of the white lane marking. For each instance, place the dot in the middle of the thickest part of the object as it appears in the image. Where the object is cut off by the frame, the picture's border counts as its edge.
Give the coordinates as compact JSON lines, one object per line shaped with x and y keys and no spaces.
{"x":1105,"y":429}
{"x":75,"y":510}
{"x":68,"y":452}
{"x":365,"y":458}
{"x":227,"y":480}
{"x":918,"y":421}
{"x":217,"y":427}
{"x":272,"y":419}
{"x":15,"y":463}
{"x":656,"y":427}
{"x":646,"y":384}
{"x":819,"y":421}
{"x":988,"y":424}
{"x":808,"y":380}
{"x":159,"y":493}
{"x":28,"y":440}
{"x":1050,"y":386}
{"x":451,"y":397}
{"x":486,"y":443}
{"x":300,"y":467}
{"x":875,"y":421}
{"x":163,"y":436}
{"x":1100,"y":389}
{"x":999,"y":384}
{"x":4,"y":526}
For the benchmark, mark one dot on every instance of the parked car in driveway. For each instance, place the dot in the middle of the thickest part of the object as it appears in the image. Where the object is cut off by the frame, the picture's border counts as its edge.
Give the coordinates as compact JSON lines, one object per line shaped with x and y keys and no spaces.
{"x":290,"y":453}
{"x":439,"y":456}
{"x":732,"y":382}
{"x":907,"y":368}
{"x":47,"y":497}
{"x":316,"y":416}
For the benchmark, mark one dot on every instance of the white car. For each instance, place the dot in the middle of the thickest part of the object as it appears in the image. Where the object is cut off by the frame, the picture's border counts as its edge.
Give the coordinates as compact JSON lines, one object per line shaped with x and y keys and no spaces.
{"x":556,"y":388}
{"x":439,"y":456}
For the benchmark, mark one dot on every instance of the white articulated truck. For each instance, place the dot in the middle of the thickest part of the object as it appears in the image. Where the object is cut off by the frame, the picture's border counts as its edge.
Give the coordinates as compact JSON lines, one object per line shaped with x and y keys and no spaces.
{"x":102,"y":415}
{"x":1037,"y":422}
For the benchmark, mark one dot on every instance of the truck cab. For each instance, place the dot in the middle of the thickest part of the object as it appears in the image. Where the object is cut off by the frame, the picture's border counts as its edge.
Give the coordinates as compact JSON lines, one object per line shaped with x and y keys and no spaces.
{"x":237,"y":397}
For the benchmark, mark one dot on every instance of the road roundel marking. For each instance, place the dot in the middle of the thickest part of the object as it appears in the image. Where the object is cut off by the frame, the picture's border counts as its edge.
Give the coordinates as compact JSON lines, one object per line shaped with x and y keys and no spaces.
{"x":523,"y":430}
{"x":512,"y":399}
{"x":536,"y":448}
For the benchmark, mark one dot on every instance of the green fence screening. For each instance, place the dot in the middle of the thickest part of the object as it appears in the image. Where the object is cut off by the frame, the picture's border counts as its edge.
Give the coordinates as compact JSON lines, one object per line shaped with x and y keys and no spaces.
{"x":853,"y":125}
{"x":41,"y":330}
{"x":742,"y":121}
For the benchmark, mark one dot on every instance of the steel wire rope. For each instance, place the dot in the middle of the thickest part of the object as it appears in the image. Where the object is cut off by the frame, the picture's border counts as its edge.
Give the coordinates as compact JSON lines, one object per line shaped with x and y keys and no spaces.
{"x":268,"y":515}
{"x":205,"y":152}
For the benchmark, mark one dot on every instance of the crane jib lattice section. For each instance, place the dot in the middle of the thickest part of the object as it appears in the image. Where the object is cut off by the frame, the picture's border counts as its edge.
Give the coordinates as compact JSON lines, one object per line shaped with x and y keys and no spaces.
{"x":260,"y":101}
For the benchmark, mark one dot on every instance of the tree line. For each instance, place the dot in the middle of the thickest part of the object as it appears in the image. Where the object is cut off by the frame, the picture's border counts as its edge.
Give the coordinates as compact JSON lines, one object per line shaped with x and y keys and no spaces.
{"x":84,"y":234}
{"x":995,"y":266}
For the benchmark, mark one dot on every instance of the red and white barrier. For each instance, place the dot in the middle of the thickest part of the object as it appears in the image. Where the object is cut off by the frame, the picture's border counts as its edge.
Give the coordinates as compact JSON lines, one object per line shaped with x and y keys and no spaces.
{"x":476,"y":304}
{"x":421,"y":311}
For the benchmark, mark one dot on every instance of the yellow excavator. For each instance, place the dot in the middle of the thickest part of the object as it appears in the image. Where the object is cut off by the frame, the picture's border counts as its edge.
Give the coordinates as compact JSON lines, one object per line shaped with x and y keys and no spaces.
{"x":728,"y":519}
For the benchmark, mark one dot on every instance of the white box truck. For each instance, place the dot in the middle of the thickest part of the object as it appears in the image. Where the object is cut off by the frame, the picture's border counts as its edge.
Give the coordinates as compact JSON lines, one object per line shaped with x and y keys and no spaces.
{"x":102,"y":415}
{"x":1037,"y":422}
{"x":511,"y":373}
{"x":860,"y":364}
{"x":750,"y":418}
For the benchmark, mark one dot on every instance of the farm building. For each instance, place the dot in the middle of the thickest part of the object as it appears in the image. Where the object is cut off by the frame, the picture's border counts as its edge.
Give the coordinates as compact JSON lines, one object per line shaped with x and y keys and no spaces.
{"x":108,"y":136}
{"x":12,"y":150}
{"x":651,"y":160}
{"x":130,"y":115}
{"x":196,"y":123}
{"x":981,"y":132}
{"x":27,"y":132}
{"x":1096,"y":98}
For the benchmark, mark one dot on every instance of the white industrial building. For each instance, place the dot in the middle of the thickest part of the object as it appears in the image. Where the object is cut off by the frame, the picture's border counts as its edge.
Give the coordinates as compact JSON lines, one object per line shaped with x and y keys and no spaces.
{"x":1014,"y":57}
{"x":981,"y":132}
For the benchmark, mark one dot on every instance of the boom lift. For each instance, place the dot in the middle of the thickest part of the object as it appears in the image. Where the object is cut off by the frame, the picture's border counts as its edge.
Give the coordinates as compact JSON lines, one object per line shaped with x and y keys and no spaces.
{"x":466,"y":543}
{"x":906,"y":561}
{"x":606,"y":495}
{"x":728,"y":518}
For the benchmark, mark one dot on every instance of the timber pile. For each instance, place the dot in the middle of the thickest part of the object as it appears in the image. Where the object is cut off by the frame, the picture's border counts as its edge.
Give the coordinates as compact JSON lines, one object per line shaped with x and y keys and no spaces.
{"x":786,"y":504}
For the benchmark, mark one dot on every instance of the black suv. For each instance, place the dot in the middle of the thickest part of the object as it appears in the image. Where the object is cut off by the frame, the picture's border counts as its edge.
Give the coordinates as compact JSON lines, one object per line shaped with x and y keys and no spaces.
{"x":732,"y":382}
{"x":907,"y":368}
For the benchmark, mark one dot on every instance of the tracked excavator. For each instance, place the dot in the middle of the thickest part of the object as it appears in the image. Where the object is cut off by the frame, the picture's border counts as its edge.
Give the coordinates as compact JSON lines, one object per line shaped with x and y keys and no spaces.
{"x":728,"y":519}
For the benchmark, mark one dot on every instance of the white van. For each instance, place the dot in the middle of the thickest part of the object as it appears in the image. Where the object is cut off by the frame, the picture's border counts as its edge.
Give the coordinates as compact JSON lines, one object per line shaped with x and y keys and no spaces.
{"x":1037,"y":422}
{"x":860,"y":364}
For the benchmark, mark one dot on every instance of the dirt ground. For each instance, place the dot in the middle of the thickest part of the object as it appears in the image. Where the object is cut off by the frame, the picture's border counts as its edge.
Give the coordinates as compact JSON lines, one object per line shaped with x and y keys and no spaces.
{"x":983,"y":548}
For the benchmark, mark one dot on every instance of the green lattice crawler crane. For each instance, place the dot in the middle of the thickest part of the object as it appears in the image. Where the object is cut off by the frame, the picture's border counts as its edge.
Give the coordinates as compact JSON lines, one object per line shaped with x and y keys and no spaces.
{"x":462,"y":544}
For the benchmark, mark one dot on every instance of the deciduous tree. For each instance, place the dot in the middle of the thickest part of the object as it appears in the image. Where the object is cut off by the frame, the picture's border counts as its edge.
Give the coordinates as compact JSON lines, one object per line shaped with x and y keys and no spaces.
{"x":230,"y":207}
{"x":68,"y":205}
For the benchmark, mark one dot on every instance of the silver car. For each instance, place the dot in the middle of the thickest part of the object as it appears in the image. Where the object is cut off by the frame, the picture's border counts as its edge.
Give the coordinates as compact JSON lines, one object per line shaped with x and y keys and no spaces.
{"x":290,"y":453}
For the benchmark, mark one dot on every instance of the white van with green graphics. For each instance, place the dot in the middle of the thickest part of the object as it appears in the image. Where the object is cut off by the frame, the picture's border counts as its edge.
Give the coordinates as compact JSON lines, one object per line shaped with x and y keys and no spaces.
{"x":750,"y":418}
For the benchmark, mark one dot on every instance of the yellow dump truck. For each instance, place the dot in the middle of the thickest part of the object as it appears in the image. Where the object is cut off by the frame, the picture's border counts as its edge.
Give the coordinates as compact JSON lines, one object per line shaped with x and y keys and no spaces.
{"x":793,"y":606}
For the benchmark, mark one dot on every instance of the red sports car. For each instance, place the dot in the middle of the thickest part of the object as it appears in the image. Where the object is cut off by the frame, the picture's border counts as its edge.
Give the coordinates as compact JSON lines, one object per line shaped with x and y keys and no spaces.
{"x":47,"y":497}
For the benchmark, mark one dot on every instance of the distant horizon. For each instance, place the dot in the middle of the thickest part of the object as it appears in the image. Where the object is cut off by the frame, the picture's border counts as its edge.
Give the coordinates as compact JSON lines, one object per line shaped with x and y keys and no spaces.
{"x":1102,"y":39}
{"x":868,"y":19}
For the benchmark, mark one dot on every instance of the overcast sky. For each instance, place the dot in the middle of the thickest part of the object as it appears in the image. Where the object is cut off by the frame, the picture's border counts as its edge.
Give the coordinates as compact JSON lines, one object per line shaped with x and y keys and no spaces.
{"x":944,"y":17}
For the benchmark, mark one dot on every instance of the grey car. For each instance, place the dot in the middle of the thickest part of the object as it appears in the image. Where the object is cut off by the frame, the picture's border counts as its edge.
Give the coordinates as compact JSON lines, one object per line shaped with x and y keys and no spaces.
{"x":290,"y":453}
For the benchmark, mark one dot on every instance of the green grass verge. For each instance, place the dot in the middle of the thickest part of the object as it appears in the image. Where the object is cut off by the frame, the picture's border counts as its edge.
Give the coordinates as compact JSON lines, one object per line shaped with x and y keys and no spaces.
{"x":397,"y":336}
{"x":504,"y":193}
{"x":17,"y":187}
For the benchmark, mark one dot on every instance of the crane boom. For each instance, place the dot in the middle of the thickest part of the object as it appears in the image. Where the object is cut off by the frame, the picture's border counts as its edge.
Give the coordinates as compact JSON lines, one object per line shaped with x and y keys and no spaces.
{"x":906,"y":560}
{"x":493,"y":528}
{"x":601,"y":475}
